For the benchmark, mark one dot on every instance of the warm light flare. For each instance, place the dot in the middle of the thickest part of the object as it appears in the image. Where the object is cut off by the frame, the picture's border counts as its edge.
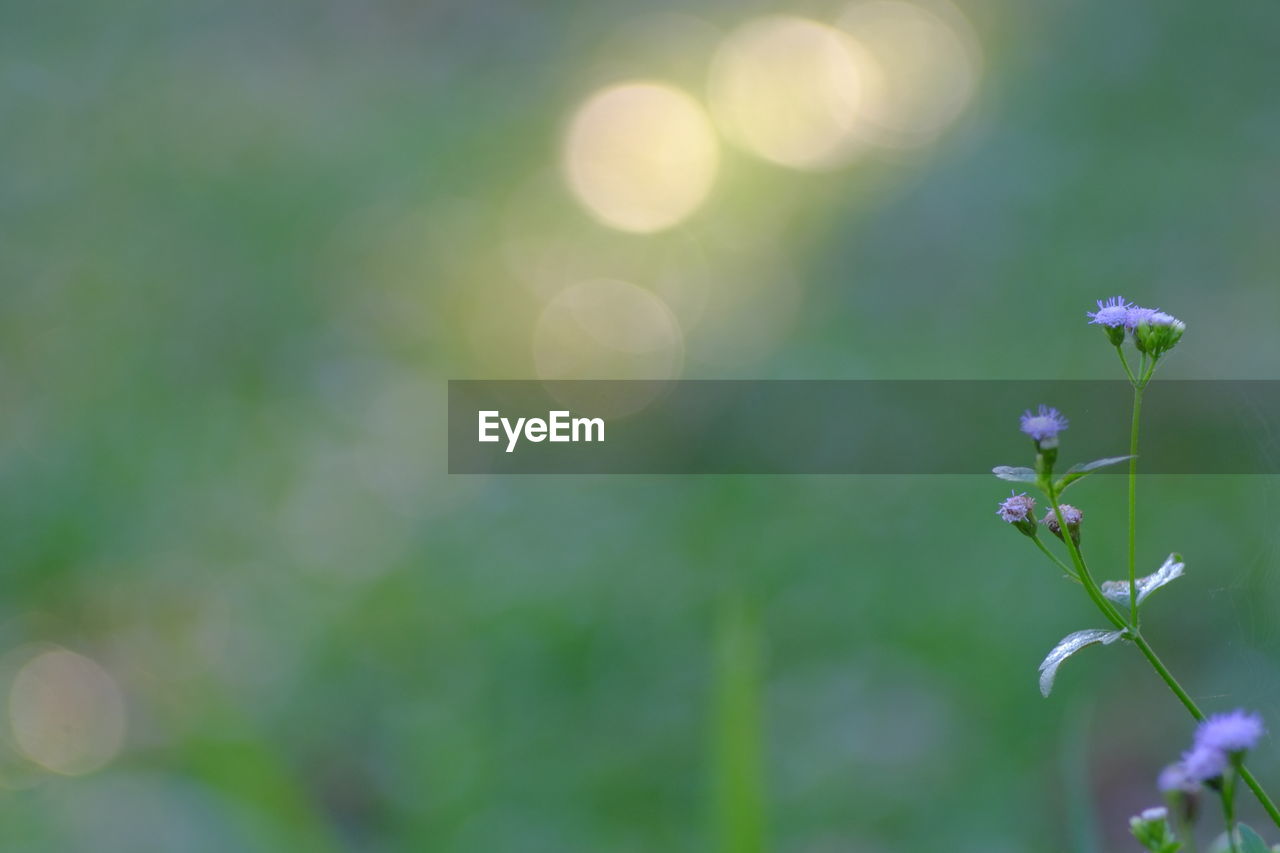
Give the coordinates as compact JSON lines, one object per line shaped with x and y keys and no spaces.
{"x":928,"y":65}
{"x":788,"y":90}
{"x":66,"y":713}
{"x":640,"y":156}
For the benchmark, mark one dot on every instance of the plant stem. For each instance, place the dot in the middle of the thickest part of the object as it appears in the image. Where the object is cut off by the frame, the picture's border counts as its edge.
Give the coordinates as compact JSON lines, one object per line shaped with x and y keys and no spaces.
{"x":1229,"y":808}
{"x":1090,"y":585}
{"x":1052,"y":556}
{"x":1124,"y":361}
{"x":1254,"y":785}
{"x":1133,"y":504}
{"x":1164,"y":673}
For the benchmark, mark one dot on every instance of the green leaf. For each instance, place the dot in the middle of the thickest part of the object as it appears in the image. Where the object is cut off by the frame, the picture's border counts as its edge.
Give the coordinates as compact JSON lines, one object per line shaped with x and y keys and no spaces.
{"x":1250,"y":841}
{"x":1014,"y":475}
{"x":1118,"y":591}
{"x":1076,"y":472}
{"x":1247,"y":841}
{"x":1067,"y":647}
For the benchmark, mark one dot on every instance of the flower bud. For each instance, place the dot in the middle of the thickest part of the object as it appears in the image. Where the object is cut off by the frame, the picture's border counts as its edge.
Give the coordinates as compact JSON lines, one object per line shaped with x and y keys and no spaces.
{"x":1019,"y":510}
{"x":1152,"y":830}
{"x":1158,"y":333}
{"x":1181,"y":792}
{"x":1071,"y":516}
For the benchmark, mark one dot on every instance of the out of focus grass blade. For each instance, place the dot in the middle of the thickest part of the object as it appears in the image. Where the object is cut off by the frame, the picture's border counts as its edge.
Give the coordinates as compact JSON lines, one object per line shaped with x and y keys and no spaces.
{"x":739,"y":776}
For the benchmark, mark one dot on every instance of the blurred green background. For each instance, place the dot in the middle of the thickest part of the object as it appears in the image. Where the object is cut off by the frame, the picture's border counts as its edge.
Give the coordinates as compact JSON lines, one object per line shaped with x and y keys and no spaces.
{"x":243,"y":245}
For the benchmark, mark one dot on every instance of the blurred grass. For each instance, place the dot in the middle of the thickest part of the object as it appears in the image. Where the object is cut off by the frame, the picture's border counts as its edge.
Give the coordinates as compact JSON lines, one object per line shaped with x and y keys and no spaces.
{"x":737,"y":733}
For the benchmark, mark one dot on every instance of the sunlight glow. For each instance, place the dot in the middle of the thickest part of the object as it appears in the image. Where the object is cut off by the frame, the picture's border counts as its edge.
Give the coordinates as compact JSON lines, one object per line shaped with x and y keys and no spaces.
{"x":788,"y":90}
{"x":928,"y":66}
{"x":641,"y":157}
{"x":607,"y":329}
{"x":66,"y":713}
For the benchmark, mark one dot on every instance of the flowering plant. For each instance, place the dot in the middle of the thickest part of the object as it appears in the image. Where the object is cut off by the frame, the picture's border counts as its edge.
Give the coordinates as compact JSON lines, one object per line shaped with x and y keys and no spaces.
{"x":1215,"y":762}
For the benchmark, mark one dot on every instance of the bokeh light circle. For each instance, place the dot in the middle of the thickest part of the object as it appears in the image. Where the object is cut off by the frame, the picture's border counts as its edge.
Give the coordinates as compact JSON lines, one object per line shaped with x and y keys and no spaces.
{"x":928,"y":65}
{"x":640,"y":157}
{"x":66,"y":712}
{"x":788,"y":89}
{"x":609,"y":329}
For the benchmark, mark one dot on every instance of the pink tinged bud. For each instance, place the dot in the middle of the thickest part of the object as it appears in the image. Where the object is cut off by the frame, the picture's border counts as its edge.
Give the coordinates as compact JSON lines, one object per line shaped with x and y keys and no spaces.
{"x":1071,"y":516}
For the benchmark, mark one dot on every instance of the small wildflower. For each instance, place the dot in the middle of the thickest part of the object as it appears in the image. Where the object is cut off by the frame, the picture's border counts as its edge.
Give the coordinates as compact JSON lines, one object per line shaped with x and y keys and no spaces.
{"x":1204,"y":762}
{"x":1113,"y":312}
{"x":1136,"y":315}
{"x":1016,"y":507}
{"x":1044,"y":424}
{"x":1235,"y":731}
{"x":1071,"y":516}
{"x":1181,"y":791}
{"x":1175,"y":779}
{"x":1019,"y":510}
{"x":1112,"y":316}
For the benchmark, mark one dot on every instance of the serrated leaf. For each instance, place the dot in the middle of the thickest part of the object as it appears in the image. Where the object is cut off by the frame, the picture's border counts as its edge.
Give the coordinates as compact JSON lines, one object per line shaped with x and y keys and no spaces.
{"x":1076,"y":472}
{"x":1118,"y":591}
{"x":1014,"y":475}
{"x":1068,"y":646}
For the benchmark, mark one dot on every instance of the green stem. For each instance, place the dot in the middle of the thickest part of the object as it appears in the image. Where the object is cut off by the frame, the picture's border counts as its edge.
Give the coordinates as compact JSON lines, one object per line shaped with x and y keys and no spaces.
{"x":1082,"y":571}
{"x":1124,"y":361}
{"x":1164,"y":673}
{"x":1229,"y":808}
{"x":1254,"y":785}
{"x":1133,"y":504}
{"x":1052,"y":556}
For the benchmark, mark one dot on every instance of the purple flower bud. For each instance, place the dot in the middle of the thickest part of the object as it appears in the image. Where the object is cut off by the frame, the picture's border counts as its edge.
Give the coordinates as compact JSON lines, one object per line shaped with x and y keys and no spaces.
{"x":1204,"y":762}
{"x":1175,"y":779}
{"x":1235,"y":731}
{"x":1071,"y":516}
{"x":1136,"y":315}
{"x":1158,"y":332}
{"x":1016,"y":508}
{"x":1044,"y":424}
{"x":1019,"y":510}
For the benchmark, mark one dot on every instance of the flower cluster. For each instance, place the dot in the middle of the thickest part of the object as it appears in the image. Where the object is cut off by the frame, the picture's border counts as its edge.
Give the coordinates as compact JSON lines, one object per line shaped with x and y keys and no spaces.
{"x":1219,"y":740}
{"x":1154,"y":332}
{"x":1215,"y":761}
{"x":1019,"y":510}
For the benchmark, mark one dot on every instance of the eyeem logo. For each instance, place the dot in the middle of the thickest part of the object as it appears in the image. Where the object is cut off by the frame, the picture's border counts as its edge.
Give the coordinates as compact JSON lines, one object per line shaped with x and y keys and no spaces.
{"x":558,"y":426}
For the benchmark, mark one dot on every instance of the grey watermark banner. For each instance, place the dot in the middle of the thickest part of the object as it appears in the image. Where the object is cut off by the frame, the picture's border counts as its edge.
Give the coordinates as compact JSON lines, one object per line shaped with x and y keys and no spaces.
{"x":849,"y":426}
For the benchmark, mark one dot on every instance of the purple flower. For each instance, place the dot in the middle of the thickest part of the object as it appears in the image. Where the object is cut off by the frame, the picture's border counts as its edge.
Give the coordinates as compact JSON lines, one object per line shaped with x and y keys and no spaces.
{"x":1204,"y":762}
{"x":1137,"y":315}
{"x":1113,"y":312}
{"x":1044,"y":424}
{"x":1160,"y":318}
{"x":1235,"y":731}
{"x":1175,"y":779}
{"x":1016,"y":508}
